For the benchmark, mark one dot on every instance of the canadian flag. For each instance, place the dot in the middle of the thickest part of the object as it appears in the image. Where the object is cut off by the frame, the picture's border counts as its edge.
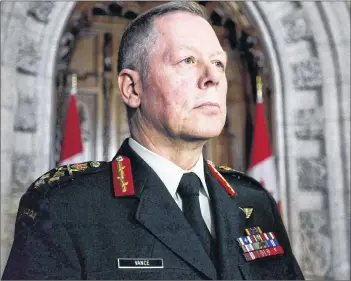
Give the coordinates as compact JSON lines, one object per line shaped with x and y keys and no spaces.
{"x":72,"y":145}
{"x":262,"y":166}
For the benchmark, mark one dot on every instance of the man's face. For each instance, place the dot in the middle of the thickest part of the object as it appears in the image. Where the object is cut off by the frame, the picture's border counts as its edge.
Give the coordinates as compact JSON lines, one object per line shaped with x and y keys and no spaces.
{"x":186,"y":94}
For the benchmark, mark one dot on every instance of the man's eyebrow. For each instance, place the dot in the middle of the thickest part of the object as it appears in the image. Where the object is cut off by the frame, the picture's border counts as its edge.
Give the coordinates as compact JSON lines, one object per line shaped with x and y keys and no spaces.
{"x":220,"y":53}
{"x":181,"y":47}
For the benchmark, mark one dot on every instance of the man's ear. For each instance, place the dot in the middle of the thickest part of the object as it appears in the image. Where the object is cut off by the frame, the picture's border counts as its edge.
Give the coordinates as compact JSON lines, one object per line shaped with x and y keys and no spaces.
{"x":130,"y":88}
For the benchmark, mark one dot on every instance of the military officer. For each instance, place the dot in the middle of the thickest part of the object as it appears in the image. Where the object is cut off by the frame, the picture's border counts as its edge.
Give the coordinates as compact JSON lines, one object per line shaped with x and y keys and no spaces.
{"x":158,"y":210}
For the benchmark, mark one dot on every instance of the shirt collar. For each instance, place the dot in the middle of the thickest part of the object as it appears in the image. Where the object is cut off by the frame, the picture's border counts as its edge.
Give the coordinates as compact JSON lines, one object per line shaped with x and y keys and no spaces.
{"x":169,"y":173}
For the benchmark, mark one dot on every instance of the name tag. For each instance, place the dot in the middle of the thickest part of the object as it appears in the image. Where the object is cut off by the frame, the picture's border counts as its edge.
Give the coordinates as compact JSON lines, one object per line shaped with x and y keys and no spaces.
{"x":140,"y":263}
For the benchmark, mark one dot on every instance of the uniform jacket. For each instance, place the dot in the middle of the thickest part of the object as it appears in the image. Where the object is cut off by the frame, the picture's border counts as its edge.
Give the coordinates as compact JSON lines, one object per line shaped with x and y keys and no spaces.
{"x":71,"y":226}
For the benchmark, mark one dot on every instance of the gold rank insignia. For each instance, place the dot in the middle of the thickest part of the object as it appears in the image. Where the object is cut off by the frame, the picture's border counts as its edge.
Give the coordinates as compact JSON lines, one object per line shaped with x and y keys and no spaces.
{"x":76,"y":167}
{"x":60,"y":172}
{"x":79,"y":166}
{"x":41,"y":180}
{"x":123,"y":184}
{"x":94,"y":164}
{"x":65,"y":172}
{"x":230,"y":169}
{"x":226,"y":168}
{"x":221,"y":179}
{"x":247,"y":212}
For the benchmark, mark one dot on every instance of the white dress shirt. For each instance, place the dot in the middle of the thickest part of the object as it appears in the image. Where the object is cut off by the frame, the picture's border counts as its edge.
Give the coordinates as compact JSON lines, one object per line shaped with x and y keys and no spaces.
{"x":171,"y":174}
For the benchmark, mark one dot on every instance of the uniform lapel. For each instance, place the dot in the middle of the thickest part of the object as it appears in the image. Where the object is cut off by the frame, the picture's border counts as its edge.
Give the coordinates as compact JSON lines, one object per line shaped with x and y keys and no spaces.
{"x":229,"y":224}
{"x":158,"y":212}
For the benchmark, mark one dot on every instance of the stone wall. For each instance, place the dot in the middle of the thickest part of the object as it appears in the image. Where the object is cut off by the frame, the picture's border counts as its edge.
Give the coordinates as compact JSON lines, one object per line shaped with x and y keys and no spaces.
{"x":30,"y":32}
{"x":311,"y":43}
{"x":309,"y":50}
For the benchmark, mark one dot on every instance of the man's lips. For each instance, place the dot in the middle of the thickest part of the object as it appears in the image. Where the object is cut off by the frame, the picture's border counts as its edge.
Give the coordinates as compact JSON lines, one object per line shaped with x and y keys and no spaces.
{"x":207,"y":105}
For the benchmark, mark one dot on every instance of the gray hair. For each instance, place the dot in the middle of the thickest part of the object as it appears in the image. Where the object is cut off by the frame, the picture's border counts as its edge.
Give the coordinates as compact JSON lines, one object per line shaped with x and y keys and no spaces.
{"x":140,"y":36}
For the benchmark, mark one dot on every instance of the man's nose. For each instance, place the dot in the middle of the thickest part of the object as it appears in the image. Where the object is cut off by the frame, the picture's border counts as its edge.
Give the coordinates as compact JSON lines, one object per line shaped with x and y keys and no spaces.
{"x":210,"y":76}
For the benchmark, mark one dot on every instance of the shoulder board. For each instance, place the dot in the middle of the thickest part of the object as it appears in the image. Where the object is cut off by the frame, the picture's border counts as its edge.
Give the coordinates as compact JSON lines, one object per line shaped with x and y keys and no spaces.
{"x":239,"y":174}
{"x":225,"y":171}
{"x":66,"y":173}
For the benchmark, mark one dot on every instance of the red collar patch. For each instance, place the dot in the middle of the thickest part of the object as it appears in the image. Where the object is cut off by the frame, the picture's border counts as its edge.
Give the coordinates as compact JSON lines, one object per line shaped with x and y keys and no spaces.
{"x":221,"y":179}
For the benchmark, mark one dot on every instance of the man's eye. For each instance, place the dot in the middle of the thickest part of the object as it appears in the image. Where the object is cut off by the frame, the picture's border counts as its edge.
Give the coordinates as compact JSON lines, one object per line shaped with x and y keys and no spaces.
{"x":189,"y":60}
{"x":219,"y":64}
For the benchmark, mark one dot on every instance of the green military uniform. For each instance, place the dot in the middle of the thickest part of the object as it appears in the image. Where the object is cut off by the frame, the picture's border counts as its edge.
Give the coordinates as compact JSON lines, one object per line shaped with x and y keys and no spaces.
{"x":71,"y":225}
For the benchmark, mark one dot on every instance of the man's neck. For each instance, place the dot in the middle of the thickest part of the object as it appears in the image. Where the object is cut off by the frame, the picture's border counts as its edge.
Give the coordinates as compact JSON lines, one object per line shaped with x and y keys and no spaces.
{"x":182,"y":153}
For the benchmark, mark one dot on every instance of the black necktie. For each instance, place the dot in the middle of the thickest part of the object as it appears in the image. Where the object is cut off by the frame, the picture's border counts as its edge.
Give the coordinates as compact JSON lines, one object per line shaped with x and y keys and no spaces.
{"x":188,"y":190}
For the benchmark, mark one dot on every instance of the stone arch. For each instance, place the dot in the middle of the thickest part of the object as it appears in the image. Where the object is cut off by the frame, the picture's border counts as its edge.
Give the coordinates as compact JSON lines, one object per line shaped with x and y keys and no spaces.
{"x":306,"y":44}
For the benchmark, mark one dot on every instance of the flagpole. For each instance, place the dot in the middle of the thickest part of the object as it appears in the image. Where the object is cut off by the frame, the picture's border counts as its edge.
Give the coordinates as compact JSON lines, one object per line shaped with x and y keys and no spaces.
{"x":259,"y":98}
{"x":74,"y":84}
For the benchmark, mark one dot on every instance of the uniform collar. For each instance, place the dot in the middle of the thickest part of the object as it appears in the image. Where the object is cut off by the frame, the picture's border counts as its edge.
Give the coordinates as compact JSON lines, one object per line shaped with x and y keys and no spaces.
{"x":169,"y":173}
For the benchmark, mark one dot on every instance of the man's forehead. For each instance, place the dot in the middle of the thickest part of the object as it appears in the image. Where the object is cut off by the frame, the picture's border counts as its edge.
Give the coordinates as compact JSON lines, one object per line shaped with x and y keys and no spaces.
{"x":176,"y":15}
{"x":175,"y":28}
{"x":176,"y":19}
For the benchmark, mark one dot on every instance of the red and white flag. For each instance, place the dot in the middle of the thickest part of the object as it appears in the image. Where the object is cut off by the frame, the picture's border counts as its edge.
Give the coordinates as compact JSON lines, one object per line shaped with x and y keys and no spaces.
{"x":72,"y":145}
{"x":262,"y":166}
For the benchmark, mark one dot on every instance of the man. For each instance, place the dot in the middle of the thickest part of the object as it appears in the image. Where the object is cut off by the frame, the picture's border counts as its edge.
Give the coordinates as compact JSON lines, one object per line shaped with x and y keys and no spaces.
{"x":157,"y":210}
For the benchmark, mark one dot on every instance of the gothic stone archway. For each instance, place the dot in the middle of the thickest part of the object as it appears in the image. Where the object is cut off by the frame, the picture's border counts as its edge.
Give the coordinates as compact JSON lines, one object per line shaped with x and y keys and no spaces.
{"x":308,"y":46}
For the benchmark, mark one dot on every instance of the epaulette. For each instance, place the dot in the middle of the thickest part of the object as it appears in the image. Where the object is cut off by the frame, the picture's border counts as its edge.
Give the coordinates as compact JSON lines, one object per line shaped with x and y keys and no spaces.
{"x":226,"y":169}
{"x":223,"y":174}
{"x":238,"y":174}
{"x":64,"y":174}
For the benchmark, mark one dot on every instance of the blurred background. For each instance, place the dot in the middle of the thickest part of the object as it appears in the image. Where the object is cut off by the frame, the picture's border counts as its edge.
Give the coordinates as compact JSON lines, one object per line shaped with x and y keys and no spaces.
{"x":299,"y":50}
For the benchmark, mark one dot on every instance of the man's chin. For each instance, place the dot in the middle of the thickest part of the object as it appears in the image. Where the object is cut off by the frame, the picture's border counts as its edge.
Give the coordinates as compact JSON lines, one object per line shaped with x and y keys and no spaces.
{"x":203,"y":135}
{"x":203,"y":130}
{"x":208,"y":129}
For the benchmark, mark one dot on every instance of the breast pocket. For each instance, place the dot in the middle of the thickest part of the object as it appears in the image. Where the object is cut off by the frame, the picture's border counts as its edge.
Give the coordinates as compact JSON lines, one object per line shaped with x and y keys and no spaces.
{"x":273,"y":268}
